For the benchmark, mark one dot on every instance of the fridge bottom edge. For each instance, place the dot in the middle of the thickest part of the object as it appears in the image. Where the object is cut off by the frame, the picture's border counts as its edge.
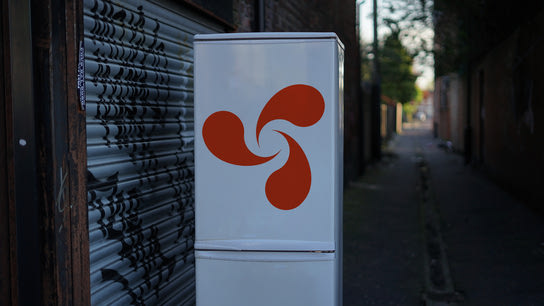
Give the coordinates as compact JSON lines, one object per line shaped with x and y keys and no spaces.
{"x":266,"y":278}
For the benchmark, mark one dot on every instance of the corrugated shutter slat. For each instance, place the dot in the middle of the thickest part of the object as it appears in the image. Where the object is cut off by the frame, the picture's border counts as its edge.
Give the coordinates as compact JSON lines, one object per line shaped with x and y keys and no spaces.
{"x":139,"y":87}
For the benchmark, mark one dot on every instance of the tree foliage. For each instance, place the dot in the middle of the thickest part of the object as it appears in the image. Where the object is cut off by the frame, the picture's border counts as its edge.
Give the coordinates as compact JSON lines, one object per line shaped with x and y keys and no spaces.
{"x":466,"y":29}
{"x":398,"y":80}
{"x":413,"y":21}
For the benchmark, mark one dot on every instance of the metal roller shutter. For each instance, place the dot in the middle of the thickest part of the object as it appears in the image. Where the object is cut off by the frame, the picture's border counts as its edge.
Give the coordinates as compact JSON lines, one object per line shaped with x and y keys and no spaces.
{"x":139,"y":86}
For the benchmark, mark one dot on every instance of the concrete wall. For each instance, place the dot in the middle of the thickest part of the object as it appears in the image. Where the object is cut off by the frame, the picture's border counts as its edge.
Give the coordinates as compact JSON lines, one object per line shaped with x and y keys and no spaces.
{"x":426,"y":105}
{"x":506,"y":112}
{"x":450,"y":109}
{"x":398,"y":119}
{"x":367,"y":121}
{"x":507,"y":107}
{"x":442,"y":106}
{"x":388,"y":122}
{"x":456,"y":112}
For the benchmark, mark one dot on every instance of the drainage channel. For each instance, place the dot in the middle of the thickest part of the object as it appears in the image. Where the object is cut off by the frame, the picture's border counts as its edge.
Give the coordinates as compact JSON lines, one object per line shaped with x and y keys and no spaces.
{"x":439,"y":288}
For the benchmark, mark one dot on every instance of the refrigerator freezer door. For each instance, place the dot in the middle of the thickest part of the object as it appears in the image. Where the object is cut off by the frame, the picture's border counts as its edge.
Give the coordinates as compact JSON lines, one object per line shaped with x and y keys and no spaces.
{"x":267,"y":146}
{"x":265,"y":278}
{"x":264,"y":245}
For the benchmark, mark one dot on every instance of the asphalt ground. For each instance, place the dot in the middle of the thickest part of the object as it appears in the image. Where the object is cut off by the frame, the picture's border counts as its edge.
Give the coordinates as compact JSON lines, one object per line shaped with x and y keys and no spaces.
{"x":493,"y":245}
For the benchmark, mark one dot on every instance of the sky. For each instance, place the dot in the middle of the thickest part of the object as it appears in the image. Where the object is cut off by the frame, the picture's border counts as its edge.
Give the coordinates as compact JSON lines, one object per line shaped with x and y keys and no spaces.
{"x":426,"y":71}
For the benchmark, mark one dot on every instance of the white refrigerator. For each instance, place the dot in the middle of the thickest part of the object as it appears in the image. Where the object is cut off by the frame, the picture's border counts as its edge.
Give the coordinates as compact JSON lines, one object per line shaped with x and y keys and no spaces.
{"x":268,"y":168}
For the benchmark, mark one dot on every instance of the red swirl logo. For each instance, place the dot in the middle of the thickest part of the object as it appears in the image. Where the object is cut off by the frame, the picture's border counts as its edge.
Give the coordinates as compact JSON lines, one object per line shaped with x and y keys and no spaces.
{"x":301,"y":105}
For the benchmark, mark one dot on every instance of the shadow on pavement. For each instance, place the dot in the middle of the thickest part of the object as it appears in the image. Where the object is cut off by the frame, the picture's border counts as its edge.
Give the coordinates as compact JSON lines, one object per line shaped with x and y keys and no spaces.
{"x":489,"y":247}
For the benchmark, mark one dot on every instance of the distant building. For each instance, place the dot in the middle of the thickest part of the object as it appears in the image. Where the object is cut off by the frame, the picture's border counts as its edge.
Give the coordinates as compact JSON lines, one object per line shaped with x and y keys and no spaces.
{"x":426,"y":106}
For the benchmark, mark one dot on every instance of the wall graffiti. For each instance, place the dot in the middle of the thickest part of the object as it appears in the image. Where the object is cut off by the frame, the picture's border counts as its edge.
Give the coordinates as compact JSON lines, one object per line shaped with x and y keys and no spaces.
{"x":139,"y":95}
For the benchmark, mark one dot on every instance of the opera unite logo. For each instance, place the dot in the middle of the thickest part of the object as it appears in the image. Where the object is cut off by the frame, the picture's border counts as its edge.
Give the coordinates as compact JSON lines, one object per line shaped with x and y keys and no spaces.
{"x":301,"y":105}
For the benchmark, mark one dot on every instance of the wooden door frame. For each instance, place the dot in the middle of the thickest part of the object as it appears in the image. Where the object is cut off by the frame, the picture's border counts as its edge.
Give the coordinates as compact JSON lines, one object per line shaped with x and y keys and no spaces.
{"x":57,"y":31}
{"x":43,"y":156}
{"x":8,"y":264}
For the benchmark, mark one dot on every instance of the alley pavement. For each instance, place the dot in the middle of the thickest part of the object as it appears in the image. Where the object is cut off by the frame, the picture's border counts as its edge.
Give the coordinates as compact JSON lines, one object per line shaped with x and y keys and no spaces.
{"x":422,"y":228}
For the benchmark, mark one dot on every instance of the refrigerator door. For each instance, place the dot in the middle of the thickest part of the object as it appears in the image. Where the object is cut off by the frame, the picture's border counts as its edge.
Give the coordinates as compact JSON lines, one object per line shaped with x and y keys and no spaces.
{"x":268,"y":141}
{"x":265,"y":278}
